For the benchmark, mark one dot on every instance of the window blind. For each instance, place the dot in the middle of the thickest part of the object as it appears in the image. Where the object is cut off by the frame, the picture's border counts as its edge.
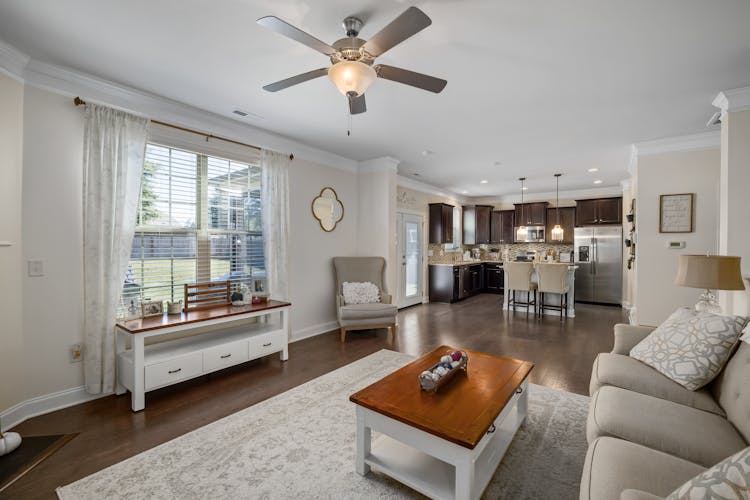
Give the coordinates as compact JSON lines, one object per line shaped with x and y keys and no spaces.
{"x":198,"y":219}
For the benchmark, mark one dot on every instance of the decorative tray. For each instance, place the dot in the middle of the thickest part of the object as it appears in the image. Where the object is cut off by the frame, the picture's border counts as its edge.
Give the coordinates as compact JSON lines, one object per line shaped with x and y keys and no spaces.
{"x":443,"y":371}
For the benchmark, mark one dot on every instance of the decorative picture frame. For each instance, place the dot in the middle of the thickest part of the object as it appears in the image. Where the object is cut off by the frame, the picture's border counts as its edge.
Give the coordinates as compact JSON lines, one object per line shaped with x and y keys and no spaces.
{"x":676,"y":213}
{"x":152,"y":308}
{"x":259,"y":287}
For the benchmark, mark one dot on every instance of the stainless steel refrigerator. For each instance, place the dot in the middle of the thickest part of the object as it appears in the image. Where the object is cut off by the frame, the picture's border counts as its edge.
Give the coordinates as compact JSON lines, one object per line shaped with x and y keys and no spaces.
{"x":598,"y":255}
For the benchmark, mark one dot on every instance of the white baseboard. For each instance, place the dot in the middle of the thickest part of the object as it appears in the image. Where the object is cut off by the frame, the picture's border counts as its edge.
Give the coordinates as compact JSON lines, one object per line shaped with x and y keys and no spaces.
{"x":44,"y":404}
{"x":314,"y":330}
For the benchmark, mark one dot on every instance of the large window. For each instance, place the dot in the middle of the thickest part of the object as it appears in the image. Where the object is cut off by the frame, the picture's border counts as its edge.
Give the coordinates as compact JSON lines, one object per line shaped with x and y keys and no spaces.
{"x":199,"y":219}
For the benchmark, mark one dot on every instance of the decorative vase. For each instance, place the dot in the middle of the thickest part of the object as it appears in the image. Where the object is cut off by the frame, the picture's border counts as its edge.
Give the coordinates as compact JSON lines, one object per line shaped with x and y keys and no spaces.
{"x":9,"y":442}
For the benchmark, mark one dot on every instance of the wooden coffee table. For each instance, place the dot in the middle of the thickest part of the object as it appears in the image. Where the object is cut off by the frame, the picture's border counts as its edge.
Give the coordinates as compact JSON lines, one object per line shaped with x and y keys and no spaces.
{"x":447,"y":444}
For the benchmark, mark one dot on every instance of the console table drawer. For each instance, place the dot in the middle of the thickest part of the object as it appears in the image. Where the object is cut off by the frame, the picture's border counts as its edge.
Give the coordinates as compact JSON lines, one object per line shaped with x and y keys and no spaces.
{"x":266,"y":344}
{"x":216,"y":358}
{"x":173,"y":370}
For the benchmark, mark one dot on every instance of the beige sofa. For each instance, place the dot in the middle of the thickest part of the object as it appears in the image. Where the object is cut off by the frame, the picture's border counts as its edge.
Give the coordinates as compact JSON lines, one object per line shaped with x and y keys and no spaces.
{"x":647,"y":434}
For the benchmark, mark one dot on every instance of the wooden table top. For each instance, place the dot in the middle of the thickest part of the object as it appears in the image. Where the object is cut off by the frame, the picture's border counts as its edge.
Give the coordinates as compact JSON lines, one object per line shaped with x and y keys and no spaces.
{"x":168,"y":320}
{"x":462,"y":410}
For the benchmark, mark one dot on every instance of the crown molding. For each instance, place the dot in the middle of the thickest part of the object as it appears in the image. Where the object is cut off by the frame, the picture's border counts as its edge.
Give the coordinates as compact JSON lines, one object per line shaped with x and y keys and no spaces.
{"x":692,"y":142}
{"x":12,"y":61}
{"x":572,"y":194}
{"x":382,"y":164}
{"x":423,"y":187}
{"x":71,"y":83}
{"x":733,"y":100}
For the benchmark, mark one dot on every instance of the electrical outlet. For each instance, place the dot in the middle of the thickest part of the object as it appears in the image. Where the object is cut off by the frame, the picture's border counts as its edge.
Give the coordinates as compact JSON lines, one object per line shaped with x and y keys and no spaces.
{"x":76,"y":353}
{"x":36,"y":268}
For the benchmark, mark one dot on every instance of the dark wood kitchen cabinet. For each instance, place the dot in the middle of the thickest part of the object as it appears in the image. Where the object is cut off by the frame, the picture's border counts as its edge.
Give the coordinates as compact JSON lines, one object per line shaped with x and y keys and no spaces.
{"x":533,"y":214}
{"x":444,"y":283}
{"x":599,"y":211}
{"x":567,"y":223}
{"x":441,"y":223}
{"x":473,"y":279}
{"x":477,"y":224}
{"x":501,"y":226}
{"x":493,"y":278}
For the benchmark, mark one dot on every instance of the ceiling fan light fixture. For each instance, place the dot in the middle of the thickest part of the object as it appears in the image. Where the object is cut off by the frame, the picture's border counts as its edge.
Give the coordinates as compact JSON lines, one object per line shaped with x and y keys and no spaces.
{"x":352,"y":76}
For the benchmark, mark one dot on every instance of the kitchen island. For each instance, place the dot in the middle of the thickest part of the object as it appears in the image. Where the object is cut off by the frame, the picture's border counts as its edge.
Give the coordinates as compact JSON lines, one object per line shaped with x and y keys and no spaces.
{"x":550,"y":299}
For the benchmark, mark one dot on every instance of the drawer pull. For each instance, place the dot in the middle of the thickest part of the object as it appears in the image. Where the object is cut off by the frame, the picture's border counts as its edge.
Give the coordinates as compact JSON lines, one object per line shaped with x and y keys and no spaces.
{"x":519,"y":390}
{"x":226,"y":356}
{"x":175,"y":371}
{"x":491,"y":429}
{"x":266,"y":345}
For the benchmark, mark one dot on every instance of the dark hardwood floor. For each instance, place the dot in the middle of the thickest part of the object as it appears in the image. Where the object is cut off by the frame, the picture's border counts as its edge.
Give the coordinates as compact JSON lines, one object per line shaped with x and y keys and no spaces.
{"x":563,"y":352}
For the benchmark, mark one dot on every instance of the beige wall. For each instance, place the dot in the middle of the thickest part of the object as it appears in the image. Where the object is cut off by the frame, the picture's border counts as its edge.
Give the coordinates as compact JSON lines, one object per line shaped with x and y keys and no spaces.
{"x":11,"y":264}
{"x":656,"y":265}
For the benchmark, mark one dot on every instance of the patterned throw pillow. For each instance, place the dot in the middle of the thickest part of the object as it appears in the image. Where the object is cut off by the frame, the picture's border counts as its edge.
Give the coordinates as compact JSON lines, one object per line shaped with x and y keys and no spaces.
{"x":360,"y":293}
{"x":729,"y":478}
{"x":690,"y":347}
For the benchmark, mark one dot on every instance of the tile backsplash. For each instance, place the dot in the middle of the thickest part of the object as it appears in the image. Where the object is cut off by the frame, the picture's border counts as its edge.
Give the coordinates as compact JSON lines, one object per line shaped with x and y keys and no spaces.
{"x":504,"y":251}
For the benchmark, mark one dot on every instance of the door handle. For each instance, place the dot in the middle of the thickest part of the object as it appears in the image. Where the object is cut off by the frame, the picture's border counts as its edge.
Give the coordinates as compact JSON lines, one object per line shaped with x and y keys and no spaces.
{"x":171,"y":372}
{"x":225,"y":356}
{"x":266,"y":345}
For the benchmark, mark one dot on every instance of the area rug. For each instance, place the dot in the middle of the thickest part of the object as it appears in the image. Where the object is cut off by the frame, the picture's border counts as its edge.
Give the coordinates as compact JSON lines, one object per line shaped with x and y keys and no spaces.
{"x":300,"y":444}
{"x":33,"y":451}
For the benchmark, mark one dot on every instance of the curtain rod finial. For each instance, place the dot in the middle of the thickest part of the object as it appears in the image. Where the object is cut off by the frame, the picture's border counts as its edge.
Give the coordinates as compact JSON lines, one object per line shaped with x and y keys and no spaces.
{"x":79,"y":102}
{"x":291,"y":156}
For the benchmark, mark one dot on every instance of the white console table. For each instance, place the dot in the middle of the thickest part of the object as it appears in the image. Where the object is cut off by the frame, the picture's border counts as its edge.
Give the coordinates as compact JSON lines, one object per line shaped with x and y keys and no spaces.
{"x":142,"y":368}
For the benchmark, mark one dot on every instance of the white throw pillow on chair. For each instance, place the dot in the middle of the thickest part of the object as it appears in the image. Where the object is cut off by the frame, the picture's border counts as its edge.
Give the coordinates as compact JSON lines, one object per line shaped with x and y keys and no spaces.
{"x":360,"y":293}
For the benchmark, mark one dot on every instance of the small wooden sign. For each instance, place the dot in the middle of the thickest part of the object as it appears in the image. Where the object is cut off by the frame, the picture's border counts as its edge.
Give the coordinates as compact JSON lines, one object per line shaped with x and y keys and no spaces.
{"x":676,"y":213}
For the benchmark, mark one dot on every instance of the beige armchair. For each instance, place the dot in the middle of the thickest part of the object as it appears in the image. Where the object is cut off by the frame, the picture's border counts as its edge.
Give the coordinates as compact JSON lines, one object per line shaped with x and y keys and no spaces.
{"x":363,"y":316}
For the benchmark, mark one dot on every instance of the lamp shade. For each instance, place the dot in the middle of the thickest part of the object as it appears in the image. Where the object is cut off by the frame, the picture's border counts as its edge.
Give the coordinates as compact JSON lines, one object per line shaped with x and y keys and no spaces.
{"x":352,"y":76}
{"x":712,"y":272}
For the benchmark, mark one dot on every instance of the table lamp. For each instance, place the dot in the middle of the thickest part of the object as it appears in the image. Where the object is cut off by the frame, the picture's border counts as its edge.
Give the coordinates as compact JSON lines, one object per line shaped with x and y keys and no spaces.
{"x":710,"y":272}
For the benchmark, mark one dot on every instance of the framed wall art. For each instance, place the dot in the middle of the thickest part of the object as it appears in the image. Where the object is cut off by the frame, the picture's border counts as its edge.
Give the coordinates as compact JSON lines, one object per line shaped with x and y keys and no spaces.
{"x":676,"y":213}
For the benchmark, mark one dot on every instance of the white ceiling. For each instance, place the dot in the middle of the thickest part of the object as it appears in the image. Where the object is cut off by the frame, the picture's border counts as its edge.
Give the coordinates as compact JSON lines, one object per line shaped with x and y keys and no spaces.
{"x":541,"y":86}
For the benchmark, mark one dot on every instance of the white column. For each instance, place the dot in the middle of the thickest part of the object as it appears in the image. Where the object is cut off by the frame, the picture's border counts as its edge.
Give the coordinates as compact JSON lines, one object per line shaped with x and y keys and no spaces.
{"x":734,"y":237}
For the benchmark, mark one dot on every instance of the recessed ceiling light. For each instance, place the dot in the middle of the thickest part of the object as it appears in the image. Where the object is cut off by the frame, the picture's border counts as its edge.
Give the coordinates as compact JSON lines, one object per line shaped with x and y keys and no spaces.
{"x":498,"y":163}
{"x":598,"y":181}
{"x":525,"y":188}
{"x":246,"y":114}
{"x":484,"y":181}
{"x":592,"y":170}
{"x":464,"y":192}
{"x":427,"y":152}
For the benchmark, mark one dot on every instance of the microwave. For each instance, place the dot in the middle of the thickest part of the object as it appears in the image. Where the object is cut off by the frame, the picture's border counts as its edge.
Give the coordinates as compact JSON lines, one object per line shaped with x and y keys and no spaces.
{"x":534,"y":234}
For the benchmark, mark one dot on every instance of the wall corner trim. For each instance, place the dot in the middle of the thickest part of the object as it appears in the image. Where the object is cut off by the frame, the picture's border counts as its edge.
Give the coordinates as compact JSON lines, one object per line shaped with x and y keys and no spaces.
{"x":729,"y":101}
{"x":382,"y":164}
{"x":692,"y":142}
{"x":423,"y":187}
{"x":12,"y":61}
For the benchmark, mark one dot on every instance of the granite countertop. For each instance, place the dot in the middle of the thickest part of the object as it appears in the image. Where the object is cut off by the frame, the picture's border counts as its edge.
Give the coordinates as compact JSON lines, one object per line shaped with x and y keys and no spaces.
{"x":466,"y":263}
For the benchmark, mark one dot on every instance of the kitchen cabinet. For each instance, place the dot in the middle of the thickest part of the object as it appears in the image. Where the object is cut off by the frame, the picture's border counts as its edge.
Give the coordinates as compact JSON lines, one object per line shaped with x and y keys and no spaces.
{"x":567,"y":223}
{"x":472,"y":279}
{"x":477,"y":224}
{"x":493,"y":278}
{"x":501,"y":226}
{"x":598,"y":211}
{"x":444,"y":283}
{"x":441,"y":223}
{"x":534,"y":214}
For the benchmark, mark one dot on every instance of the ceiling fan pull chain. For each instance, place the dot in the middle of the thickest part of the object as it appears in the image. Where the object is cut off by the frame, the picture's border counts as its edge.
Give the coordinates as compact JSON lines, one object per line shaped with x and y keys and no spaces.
{"x":349,"y":128}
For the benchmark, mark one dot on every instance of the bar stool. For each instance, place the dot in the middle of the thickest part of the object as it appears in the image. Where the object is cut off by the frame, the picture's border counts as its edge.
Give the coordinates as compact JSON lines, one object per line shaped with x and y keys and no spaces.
{"x":553,"y":278}
{"x":518,"y":278}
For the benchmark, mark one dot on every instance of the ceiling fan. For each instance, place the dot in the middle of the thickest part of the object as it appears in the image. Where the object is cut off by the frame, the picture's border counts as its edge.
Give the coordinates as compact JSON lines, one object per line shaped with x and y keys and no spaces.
{"x":352,"y":58}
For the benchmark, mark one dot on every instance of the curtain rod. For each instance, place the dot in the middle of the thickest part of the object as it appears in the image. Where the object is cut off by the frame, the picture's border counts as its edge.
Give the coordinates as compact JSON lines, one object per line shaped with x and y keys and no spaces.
{"x":80,"y":102}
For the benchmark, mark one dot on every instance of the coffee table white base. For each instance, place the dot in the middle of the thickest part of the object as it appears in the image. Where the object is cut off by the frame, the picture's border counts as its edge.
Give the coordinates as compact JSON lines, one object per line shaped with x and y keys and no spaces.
{"x":431,"y":465}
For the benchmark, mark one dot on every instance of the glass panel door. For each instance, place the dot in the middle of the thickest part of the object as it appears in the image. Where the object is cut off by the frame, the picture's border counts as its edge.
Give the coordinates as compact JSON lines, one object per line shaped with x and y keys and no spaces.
{"x":411,"y":269}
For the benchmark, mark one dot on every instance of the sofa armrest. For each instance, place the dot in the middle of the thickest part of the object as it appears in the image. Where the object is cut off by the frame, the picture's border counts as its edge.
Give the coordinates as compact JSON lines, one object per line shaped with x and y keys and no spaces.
{"x":631,"y":494}
{"x":385,"y":298}
{"x":628,"y":336}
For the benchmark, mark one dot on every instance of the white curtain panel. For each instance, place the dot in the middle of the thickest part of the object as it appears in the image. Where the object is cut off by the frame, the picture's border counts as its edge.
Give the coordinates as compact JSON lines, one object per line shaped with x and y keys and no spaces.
{"x":114,"y":146}
{"x":274,"y":200}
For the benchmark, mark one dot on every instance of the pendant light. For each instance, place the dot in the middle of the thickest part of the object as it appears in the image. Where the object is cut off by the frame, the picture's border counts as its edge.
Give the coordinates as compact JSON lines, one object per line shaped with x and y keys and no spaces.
{"x":522,"y":231}
{"x":557,"y":231}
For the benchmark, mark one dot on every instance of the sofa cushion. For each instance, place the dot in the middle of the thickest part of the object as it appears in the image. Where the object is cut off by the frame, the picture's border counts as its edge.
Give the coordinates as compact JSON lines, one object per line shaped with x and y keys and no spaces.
{"x":695,"y":435}
{"x":732,"y":390}
{"x":691,"y":347}
{"x":729,"y":478}
{"x":367,"y":311}
{"x":628,"y":373}
{"x":613,"y":465}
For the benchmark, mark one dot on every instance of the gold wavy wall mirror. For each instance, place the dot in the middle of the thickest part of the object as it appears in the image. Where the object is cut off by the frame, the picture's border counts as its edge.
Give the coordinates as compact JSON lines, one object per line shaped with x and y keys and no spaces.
{"x":328,"y":209}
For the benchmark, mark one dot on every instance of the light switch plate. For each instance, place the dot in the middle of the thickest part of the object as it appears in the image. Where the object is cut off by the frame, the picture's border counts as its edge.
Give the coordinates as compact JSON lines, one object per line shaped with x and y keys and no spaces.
{"x":36,"y":268}
{"x":675,"y":244}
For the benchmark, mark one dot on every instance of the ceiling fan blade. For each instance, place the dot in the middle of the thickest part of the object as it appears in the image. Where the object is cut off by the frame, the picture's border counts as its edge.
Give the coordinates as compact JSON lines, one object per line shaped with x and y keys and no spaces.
{"x":294,"y":80}
{"x":282,"y":27}
{"x":419,"y":80}
{"x":409,"y":23}
{"x":356,"y":104}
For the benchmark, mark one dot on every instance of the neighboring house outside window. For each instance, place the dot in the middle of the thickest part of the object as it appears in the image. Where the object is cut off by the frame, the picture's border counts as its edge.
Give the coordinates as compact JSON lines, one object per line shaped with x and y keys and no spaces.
{"x":199,"y":219}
